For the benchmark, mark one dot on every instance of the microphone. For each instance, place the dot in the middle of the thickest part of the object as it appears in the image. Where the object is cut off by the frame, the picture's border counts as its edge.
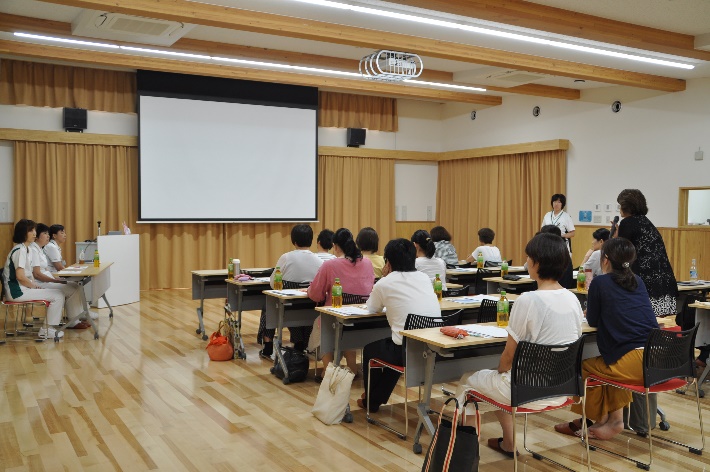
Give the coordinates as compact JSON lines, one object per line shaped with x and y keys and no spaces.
{"x":613,"y":226}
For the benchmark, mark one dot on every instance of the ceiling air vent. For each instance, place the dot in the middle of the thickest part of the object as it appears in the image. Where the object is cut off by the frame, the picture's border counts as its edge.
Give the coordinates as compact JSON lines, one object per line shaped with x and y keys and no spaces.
{"x":498,"y":76}
{"x":134,"y":29}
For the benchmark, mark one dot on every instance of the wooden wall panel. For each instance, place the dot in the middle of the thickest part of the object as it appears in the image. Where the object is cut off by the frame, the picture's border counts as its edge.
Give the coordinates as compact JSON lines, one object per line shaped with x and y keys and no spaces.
{"x":405,"y":229}
{"x":6,"y":230}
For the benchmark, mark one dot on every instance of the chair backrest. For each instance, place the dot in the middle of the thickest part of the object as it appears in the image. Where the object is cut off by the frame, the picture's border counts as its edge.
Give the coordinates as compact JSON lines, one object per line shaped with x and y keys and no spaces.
{"x":488,"y":311}
{"x":293,"y":285}
{"x":669,"y":355}
{"x":351,"y":299}
{"x":544,"y":371}
{"x":480,"y":288}
{"x":457,"y":292}
{"x":497,"y":264}
{"x":458,"y":266}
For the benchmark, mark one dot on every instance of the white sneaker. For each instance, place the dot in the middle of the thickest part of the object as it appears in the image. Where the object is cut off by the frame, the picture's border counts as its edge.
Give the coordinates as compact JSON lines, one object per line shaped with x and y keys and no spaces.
{"x":94,"y":315}
{"x":50,"y":333}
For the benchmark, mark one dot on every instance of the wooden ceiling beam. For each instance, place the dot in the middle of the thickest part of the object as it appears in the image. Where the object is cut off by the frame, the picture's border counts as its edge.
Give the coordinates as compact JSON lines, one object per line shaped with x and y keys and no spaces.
{"x":82,"y":56}
{"x":569,"y":23}
{"x":234,"y":18}
{"x":13,"y":23}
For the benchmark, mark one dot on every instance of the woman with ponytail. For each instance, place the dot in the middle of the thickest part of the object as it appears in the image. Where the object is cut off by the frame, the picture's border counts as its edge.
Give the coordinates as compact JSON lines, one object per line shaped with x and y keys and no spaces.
{"x":426,"y":262}
{"x":356,"y":277}
{"x":618,"y":305}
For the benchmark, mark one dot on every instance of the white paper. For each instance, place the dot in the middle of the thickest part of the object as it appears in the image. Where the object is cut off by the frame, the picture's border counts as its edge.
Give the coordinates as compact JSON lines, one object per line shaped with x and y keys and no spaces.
{"x":465,"y":269}
{"x":262,"y":279}
{"x":351,"y":310}
{"x":481,"y":331}
{"x":473,"y":300}
{"x":289,"y":293}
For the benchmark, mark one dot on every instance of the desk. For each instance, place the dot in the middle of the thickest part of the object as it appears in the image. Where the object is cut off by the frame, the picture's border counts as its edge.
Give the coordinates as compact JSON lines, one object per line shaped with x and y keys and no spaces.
{"x":207,"y":284}
{"x":496,"y":284}
{"x":702,"y":314}
{"x":423,"y":345}
{"x":467,"y":276}
{"x":301,"y":312}
{"x":101,"y":281}
{"x":241,"y":296}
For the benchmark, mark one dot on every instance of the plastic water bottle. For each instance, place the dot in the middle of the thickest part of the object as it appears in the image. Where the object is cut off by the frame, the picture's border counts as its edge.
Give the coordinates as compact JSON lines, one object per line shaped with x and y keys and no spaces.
{"x":502,"y":310}
{"x":438,"y":287}
{"x":504,"y":268}
{"x":479,"y":260}
{"x":237,"y":267}
{"x":581,"y":279}
{"x":82,"y":256}
{"x":230,"y":269}
{"x":693,"y":271}
{"x":278,"y":279}
{"x":336,"y":294}
{"x":97,"y":262}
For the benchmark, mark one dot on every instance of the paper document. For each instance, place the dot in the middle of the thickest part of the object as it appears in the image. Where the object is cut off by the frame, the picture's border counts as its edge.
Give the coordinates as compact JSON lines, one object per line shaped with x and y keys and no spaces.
{"x":694,"y":282}
{"x":480,"y":331}
{"x":289,"y":293}
{"x":465,"y":269}
{"x":351,"y":310}
{"x":473,"y":300}
{"x":262,"y":279}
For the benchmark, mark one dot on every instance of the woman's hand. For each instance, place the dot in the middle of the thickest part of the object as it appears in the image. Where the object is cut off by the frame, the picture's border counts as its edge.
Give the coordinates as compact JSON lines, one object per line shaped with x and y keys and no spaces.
{"x":386,"y":269}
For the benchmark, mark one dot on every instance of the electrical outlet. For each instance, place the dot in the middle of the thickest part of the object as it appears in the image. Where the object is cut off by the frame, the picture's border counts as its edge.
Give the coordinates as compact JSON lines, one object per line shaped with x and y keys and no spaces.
{"x":597,"y":207}
{"x":404,"y":212}
{"x":4,"y":209}
{"x":429,"y":213}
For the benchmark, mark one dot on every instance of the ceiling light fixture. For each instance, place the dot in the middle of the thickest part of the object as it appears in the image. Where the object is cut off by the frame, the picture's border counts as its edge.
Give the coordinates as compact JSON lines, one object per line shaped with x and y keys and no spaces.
{"x":493,"y":32}
{"x":246,"y":62}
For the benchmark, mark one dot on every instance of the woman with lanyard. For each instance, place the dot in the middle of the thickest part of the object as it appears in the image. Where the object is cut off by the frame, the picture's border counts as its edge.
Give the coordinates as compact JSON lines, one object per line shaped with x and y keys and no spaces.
{"x":558,"y":217}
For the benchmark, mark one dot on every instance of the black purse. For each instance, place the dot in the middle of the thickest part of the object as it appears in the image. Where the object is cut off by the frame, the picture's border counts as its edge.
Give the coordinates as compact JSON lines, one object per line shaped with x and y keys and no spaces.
{"x":297,"y":364}
{"x":454,"y":448}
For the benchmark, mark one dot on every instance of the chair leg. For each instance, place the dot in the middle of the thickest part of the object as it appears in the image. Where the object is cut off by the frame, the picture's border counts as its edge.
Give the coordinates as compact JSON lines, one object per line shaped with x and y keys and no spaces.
{"x":537,"y":455}
{"x":372,"y":420}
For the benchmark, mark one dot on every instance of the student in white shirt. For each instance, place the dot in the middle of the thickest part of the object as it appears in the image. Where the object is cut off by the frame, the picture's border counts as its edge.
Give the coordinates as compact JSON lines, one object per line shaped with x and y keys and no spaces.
{"x":57,"y":236}
{"x":489,"y":252}
{"x":19,"y":284}
{"x":592,"y":257}
{"x":402,"y":290}
{"x":324,"y":243}
{"x":560,"y":218}
{"x":300,"y":266}
{"x":426,"y":262}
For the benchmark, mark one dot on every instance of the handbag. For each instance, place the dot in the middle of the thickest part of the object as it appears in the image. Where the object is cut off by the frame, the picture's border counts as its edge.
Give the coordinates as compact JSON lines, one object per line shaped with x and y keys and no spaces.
{"x":454,"y":448}
{"x":333,"y":394}
{"x":296,"y":362}
{"x":219,"y":348}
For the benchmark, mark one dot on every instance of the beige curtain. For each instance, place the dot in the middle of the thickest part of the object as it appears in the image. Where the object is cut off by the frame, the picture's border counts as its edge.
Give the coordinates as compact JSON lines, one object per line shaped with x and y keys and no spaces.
{"x":77,"y":185}
{"x":48,"y":85}
{"x":508,"y":194}
{"x":342,"y":110}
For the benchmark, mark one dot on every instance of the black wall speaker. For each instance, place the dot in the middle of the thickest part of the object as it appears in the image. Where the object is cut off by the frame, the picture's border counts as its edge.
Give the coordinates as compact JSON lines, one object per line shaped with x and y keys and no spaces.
{"x":356,"y":137}
{"x":74,"y":119}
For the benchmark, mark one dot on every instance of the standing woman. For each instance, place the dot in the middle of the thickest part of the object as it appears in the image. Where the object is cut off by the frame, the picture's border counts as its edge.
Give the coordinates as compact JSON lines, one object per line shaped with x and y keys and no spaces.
{"x":426,"y":262}
{"x":558,"y":217}
{"x":20,"y":286}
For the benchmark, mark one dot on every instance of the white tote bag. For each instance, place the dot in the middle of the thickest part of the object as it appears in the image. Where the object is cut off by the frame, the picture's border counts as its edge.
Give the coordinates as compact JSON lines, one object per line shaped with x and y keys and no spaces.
{"x":333,"y":395}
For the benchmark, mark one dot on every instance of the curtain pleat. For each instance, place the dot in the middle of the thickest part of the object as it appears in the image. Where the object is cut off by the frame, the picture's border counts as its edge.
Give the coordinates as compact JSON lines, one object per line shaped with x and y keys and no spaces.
{"x":49,"y":85}
{"x":508,"y":194}
{"x":77,"y":185}
{"x":342,"y":110}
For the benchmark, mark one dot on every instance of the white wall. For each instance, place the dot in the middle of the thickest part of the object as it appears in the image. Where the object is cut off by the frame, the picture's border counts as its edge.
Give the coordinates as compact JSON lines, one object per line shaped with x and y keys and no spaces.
{"x":698,"y":207}
{"x":649,"y":145}
{"x":415,"y":190}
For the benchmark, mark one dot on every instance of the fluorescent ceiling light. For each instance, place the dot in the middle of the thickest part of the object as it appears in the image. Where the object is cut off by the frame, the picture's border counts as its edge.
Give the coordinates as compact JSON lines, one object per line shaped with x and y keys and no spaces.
{"x":62,"y":40}
{"x":254,"y":64}
{"x":493,"y":32}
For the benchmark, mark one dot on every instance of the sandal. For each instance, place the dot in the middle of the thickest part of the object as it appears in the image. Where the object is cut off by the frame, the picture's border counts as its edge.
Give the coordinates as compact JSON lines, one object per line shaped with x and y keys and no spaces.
{"x":571,"y":428}
{"x":495,"y":444}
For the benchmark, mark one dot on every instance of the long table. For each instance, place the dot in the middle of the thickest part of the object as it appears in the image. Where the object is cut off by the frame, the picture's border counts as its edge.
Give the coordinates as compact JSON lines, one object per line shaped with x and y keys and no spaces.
{"x":207,"y":284}
{"x":243,"y":296}
{"x":467,"y":275}
{"x":464,"y":355}
{"x":101,"y":281}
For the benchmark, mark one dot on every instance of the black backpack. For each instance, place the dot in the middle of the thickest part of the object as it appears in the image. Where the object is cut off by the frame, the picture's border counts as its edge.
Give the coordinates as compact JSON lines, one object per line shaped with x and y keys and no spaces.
{"x":297,"y":364}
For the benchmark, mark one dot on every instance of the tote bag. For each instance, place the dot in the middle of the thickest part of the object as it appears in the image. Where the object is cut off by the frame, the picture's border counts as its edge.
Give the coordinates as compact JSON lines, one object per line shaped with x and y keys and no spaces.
{"x":333,"y":394}
{"x":454,"y":448}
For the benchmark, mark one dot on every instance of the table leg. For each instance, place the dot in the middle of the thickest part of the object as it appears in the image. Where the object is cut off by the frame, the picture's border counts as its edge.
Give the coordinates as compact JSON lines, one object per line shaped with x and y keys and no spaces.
{"x":201,"y":327}
{"x":85,"y":311}
{"x":279,"y":358}
{"x":242,"y":354}
{"x":423,"y":407}
{"x":110,"y":313}
{"x":337,"y":353}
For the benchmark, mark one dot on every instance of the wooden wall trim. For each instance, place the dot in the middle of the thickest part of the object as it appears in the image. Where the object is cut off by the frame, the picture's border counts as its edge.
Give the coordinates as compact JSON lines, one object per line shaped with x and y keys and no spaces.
{"x":378,"y":153}
{"x":11,"y":134}
{"x":537,"y":146}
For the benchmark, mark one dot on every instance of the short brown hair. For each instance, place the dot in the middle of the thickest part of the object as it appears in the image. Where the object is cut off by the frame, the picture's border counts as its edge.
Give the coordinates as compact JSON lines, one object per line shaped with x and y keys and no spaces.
{"x":486,"y":235}
{"x":632,"y":202}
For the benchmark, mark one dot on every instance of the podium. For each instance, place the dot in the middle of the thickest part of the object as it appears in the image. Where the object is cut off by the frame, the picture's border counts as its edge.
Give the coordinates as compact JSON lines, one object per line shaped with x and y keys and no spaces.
{"x":124,"y":252}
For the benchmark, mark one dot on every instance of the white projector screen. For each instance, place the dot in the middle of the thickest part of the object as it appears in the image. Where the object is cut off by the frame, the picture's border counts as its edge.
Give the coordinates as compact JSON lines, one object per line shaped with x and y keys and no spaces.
{"x":221,"y":161}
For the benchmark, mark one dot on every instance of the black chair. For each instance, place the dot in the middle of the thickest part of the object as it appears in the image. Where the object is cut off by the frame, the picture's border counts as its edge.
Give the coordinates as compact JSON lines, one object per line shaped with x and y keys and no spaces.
{"x":295,"y":285}
{"x":480,"y":287}
{"x":668,"y":364}
{"x":488,"y":311}
{"x":540,"y":371}
{"x":350,"y":299}
{"x":457,"y":292}
{"x":413,"y":322}
{"x":458,"y":266}
{"x":496,"y":263}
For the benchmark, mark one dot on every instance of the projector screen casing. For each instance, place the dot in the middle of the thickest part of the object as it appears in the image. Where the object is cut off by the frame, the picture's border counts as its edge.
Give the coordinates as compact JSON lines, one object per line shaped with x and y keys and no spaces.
{"x":221,"y":150}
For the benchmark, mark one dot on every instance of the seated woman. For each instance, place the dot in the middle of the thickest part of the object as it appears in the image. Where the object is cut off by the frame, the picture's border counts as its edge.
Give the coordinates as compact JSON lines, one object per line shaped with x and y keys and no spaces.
{"x":403,"y":290}
{"x":299,"y":265}
{"x":57,"y":236}
{"x":592,"y":257}
{"x":356,"y":278}
{"x":567,"y":279}
{"x":369,"y":243}
{"x":20,"y":286}
{"x":426,"y":262}
{"x":619,"y":306}
{"x":489,"y":252}
{"x":444,"y":249}
{"x":324,"y":243}
{"x":43,"y":276}
{"x":549,"y":315}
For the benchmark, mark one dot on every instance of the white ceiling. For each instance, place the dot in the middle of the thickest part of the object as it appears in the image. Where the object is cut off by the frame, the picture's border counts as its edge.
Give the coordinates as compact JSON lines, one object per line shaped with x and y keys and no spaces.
{"x":682,"y":16}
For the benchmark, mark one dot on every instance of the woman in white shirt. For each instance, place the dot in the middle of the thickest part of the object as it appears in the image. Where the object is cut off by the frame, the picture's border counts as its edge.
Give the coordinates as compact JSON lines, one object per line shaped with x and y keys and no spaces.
{"x":57,"y":236}
{"x":402,"y":290}
{"x":592,"y":257}
{"x":426,"y":262}
{"x":324,"y":243}
{"x":558,"y":217}
{"x":549,"y":315}
{"x":20,"y":286}
{"x":489,"y":252}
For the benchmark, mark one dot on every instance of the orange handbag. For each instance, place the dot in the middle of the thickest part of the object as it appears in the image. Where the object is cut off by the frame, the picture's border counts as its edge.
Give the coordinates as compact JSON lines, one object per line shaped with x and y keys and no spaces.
{"x":219,"y":348}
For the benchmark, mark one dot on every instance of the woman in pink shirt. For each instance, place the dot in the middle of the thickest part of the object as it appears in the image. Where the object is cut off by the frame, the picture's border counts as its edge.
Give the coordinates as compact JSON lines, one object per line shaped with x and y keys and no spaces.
{"x":356,"y":277}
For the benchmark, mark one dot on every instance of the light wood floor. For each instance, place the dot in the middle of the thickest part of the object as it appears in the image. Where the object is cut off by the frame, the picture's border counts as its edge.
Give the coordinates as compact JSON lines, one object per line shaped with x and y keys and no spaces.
{"x":145,"y":397}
